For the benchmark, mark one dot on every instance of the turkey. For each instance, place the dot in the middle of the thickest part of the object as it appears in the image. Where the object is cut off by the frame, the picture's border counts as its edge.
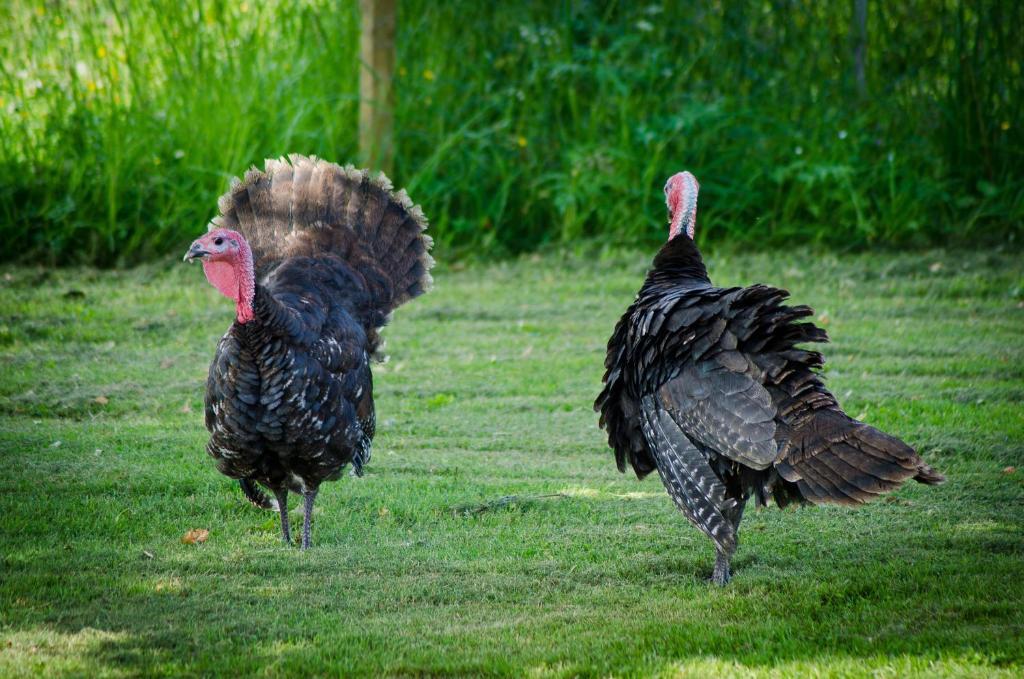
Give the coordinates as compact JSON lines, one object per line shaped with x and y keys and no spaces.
{"x":707,"y":386}
{"x":315,"y":257}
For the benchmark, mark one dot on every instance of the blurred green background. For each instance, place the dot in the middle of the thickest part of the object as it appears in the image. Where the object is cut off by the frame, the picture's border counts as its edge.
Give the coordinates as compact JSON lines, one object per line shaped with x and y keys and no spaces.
{"x":521,"y":124}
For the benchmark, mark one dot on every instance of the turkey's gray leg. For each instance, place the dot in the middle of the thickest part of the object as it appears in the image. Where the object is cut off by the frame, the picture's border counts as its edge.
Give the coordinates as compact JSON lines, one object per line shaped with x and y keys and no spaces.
{"x":721,"y":575}
{"x":282,"y":507}
{"x":307,"y":518}
{"x":736,"y":515}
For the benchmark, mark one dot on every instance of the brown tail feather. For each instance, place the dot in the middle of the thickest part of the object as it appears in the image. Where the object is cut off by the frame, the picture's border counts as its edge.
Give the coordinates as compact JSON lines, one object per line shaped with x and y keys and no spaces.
{"x":836,"y":459}
{"x":309,"y":207}
{"x":929,"y":476}
{"x":838,"y":486}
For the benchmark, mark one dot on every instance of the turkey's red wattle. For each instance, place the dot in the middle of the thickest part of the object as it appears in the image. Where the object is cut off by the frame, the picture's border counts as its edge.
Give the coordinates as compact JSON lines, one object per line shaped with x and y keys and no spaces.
{"x":221,"y":275}
{"x":235,"y":278}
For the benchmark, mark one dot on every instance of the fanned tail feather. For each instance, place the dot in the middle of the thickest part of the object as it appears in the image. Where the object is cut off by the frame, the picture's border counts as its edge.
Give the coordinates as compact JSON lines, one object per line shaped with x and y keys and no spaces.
{"x":306,"y":207}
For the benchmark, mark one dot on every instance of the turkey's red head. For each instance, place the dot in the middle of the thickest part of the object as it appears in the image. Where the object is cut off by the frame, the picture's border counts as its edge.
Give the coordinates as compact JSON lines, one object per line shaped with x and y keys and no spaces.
{"x":681,"y":198}
{"x":227,"y":263}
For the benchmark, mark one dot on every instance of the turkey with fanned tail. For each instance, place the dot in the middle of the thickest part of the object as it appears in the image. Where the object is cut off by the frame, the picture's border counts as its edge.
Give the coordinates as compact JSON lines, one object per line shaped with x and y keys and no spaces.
{"x":315,"y":257}
{"x":707,"y":386}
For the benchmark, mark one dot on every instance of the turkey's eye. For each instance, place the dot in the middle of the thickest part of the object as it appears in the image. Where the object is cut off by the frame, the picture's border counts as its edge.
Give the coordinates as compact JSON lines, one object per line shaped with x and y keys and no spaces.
{"x":218,"y":241}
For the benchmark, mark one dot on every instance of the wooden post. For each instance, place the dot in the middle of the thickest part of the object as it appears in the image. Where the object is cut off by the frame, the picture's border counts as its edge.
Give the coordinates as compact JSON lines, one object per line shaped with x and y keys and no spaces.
{"x":860,"y":46}
{"x":376,"y":96}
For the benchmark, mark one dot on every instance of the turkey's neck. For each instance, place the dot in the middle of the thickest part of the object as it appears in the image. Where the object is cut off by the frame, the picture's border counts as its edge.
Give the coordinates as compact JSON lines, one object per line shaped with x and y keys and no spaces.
{"x":246,"y":286}
{"x":679,"y":261}
{"x":684,"y":221}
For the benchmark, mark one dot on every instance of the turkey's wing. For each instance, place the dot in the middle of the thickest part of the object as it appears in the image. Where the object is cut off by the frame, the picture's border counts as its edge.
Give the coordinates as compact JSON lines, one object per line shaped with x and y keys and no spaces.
{"x":720,"y":403}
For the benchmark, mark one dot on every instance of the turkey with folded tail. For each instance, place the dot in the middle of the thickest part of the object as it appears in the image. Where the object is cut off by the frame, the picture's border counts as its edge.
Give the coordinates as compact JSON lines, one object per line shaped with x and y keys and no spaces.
{"x":316,"y":257}
{"x":707,"y":386}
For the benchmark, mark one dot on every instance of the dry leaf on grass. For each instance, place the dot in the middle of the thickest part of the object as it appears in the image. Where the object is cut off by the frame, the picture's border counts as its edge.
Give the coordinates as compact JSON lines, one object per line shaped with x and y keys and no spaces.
{"x":187,"y":408}
{"x":1009,"y":470}
{"x":102,"y":400}
{"x":195,"y":536}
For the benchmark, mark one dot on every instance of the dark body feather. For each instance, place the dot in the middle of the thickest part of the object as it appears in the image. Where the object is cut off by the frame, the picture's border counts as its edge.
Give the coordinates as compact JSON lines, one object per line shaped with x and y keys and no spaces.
{"x":707,"y":386}
{"x":289,"y":399}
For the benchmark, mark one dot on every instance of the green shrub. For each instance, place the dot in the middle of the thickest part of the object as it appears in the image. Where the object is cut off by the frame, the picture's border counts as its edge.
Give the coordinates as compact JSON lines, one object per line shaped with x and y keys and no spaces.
{"x":520,"y":124}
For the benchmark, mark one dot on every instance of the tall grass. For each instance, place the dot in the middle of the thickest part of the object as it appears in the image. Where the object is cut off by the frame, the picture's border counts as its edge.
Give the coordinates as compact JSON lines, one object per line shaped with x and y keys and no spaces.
{"x":520,"y":124}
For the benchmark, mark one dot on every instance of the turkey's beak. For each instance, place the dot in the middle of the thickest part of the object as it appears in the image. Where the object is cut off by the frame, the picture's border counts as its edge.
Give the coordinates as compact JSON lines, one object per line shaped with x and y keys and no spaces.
{"x":195,"y":251}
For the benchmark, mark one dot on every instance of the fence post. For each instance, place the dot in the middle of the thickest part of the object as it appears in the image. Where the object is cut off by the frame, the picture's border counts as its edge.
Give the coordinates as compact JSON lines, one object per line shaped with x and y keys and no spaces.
{"x":860,"y":46}
{"x":376,"y":73}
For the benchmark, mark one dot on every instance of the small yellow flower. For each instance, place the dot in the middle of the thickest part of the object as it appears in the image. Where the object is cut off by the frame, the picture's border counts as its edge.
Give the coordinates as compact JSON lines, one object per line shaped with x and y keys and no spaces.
{"x":101,"y":52}
{"x":40,"y":10}
{"x":1005,"y":125}
{"x":522,"y":142}
{"x":244,"y":7}
{"x":428,"y":75}
{"x":90,"y":85}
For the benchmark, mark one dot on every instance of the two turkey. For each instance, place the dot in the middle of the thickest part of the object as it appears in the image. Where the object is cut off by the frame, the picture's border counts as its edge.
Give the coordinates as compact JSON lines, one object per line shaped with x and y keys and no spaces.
{"x":315,"y":257}
{"x":710,"y":387}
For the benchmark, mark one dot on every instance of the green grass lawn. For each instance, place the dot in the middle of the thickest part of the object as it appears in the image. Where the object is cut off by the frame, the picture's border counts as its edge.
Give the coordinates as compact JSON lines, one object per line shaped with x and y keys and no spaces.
{"x":488,"y":394}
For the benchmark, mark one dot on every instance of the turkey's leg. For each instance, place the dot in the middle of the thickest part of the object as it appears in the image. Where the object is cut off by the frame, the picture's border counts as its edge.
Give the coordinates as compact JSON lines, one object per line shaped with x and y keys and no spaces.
{"x":721,"y":575}
{"x":282,"y":507}
{"x":307,"y":519}
{"x":736,"y":516}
